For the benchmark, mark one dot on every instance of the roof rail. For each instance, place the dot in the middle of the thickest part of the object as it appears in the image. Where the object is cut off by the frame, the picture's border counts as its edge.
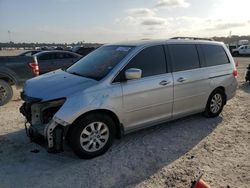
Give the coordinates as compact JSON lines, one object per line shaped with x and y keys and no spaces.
{"x":192,"y":38}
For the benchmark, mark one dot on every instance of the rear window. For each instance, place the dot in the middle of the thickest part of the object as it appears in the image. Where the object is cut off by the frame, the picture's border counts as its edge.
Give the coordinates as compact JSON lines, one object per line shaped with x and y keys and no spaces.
{"x":214,"y":55}
{"x":184,"y":57}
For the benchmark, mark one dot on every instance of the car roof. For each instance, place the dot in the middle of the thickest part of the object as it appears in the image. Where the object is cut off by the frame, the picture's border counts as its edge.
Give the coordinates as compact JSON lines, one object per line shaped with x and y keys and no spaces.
{"x":33,"y":50}
{"x":53,"y":51}
{"x":165,"y":41}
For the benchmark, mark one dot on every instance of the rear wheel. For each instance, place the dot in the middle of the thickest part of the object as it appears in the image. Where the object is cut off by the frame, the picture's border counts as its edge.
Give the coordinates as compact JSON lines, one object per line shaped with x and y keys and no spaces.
{"x":215,"y":103}
{"x":92,"y":135}
{"x":6,"y":92}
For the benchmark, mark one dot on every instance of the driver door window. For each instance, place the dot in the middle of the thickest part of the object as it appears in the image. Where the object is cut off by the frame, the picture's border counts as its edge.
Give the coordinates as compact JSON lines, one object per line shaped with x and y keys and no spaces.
{"x":150,"y":60}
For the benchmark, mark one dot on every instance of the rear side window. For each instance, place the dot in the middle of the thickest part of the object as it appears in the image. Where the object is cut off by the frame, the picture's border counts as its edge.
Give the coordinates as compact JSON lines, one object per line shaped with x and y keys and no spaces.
{"x":184,"y":57}
{"x":60,"y":56}
{"x":69,"y":56}
{"x":214,"y":55}
{"x":47,"y":56}
{"x":63,"y":56}
{"x":150,"y":60}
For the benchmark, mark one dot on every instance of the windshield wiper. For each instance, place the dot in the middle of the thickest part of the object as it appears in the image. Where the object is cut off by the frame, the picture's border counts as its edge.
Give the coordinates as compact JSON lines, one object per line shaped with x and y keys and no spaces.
{"x":75,"y":73}
{"x":86,"y":76}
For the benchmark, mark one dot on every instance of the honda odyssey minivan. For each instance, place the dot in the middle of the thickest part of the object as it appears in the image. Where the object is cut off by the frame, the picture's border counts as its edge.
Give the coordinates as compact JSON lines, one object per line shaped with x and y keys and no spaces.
{"x":123,"y":87}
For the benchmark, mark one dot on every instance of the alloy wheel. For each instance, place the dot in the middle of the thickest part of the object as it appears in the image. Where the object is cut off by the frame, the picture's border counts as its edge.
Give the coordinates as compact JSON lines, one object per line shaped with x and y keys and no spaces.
{"x":216,"y":103}
{"x":3,"y":93}
{"x":94,"y":136}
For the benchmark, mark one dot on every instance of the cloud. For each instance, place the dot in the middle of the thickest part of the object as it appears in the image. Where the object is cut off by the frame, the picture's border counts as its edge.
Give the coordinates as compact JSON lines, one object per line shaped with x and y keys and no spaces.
{"x":140,"y":12}
{"x":172,"y":4}
{"x":153,"y":21}
{"x":224,"y":26}
{"x":141,"y":16}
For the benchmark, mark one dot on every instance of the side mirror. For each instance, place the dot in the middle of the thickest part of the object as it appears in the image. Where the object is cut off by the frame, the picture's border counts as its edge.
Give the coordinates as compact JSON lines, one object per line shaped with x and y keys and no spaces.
{"x":133,"y":73}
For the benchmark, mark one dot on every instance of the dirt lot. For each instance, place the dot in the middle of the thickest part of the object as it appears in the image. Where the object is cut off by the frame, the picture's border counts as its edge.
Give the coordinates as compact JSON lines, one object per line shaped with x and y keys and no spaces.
{"x":168,"y":155}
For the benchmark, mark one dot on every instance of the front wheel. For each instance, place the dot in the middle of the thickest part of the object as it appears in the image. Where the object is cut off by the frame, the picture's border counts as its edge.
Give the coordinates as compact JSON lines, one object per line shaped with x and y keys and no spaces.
{"x":6,"y":92}
{"x":215,"y":103}
{"x":92,"y":135}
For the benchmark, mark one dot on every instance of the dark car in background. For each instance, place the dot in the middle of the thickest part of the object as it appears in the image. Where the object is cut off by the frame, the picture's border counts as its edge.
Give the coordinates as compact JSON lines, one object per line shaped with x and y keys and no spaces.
{"x":82,"y":50}
{"x":14,"y":71}
{"x":56,"y":59}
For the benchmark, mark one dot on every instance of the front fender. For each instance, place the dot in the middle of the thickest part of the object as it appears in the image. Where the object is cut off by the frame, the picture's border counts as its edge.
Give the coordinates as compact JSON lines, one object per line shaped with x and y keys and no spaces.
{"x":80,"y":104}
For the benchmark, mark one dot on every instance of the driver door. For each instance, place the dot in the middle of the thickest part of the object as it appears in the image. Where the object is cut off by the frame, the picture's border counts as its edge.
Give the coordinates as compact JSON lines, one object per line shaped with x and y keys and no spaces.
{"x":149,"y":99}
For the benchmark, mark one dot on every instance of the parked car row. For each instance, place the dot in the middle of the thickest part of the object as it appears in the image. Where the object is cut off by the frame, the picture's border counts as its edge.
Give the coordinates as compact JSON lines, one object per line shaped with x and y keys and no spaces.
{"x":82,"y":50}
{"x":243,"y":50}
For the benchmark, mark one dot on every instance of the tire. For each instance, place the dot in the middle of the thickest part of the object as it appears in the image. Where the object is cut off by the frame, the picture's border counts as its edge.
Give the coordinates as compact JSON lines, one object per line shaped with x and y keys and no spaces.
{"x":6,"y":92}
{"x":215,"y":103}
{"x":85,"y":139}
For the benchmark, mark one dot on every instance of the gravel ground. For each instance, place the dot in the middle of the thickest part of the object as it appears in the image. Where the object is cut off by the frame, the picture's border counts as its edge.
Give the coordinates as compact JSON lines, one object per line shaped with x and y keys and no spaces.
{"x":167,"y":155}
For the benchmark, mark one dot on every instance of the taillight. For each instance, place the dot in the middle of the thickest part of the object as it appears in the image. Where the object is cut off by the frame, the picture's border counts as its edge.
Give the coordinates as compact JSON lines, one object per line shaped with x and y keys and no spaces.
{"x":35,"y":68}
{"x":235,"y":73}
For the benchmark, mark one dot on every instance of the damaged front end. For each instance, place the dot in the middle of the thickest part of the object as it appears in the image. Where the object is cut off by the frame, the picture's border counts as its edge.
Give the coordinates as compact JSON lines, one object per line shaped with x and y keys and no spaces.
{"x":41,"y":122}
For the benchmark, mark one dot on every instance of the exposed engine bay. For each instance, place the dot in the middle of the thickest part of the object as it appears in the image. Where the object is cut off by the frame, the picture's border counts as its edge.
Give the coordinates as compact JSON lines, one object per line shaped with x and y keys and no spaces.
{"x":40,"y":122}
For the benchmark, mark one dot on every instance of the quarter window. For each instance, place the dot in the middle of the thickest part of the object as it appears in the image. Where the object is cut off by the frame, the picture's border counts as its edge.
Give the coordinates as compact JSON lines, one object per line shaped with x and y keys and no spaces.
{"x":214,"y":55}
{"x":184,"y":57}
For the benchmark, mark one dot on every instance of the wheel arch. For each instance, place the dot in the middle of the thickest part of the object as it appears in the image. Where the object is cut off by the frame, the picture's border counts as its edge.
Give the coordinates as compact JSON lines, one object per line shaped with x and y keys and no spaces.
{"x":7,"y":79}
{"x":224,"y":92}
{"x":119,"y":130}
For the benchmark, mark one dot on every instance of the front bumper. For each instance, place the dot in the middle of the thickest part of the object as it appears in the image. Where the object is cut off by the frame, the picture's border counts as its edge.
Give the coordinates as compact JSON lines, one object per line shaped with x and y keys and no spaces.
{"x":39,"y":127}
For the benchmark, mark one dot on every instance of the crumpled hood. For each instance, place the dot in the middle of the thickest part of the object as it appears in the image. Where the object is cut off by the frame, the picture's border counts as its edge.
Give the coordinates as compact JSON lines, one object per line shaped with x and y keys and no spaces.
{"x":56,"y":84}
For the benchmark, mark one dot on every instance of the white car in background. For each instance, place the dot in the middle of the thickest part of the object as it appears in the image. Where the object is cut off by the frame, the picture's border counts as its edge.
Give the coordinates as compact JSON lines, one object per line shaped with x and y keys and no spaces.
{"x":241,"y":51}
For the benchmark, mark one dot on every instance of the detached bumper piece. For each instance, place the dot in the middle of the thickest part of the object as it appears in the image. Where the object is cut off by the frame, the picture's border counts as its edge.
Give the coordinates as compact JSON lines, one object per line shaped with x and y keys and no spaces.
{"x":52,"y":139}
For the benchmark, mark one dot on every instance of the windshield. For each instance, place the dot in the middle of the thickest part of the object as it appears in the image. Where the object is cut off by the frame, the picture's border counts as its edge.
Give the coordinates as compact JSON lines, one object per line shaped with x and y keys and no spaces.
{"x":100,"y":62}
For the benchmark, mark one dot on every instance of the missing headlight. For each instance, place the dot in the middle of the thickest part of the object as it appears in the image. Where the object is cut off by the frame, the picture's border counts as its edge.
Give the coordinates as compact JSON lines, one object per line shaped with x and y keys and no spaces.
{"x":43,"y":112}
{"x":48,"y":114}
{"x":49,"y":109}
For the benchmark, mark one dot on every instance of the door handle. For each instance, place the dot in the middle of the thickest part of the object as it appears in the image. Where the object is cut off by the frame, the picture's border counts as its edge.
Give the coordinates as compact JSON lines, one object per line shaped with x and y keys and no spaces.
{"x":181,"y":79}
{"x":164,"y":82}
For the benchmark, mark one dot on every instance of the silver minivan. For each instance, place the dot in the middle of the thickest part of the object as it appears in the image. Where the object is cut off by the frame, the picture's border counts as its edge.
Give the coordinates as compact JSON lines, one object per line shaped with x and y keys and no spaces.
{"x":123,"y":87}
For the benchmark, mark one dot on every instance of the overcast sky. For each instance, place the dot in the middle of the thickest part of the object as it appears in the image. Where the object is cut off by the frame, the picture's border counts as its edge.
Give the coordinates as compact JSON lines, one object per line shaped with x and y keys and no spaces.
{"x":118,"y":20}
